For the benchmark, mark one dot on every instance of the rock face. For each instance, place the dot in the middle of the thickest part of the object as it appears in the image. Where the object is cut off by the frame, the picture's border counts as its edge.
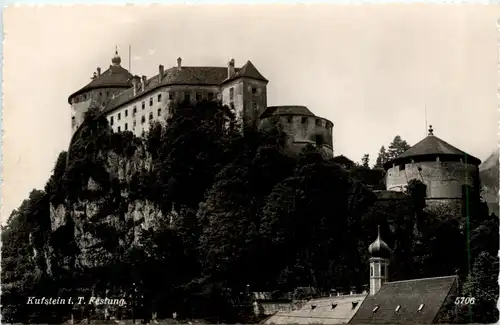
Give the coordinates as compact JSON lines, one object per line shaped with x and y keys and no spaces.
{"x":96,"y":227}
{"x":489,"y":175}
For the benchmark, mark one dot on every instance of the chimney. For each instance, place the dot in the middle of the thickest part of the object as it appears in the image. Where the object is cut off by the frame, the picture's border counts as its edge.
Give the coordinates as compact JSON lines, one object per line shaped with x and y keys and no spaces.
{"x":143,"y":82}
{"x":179,"y":63}
{"x":230,"y":68}
{"x":98,"y":71}
{"x":134,"y":84}
{"x":161,"y":70}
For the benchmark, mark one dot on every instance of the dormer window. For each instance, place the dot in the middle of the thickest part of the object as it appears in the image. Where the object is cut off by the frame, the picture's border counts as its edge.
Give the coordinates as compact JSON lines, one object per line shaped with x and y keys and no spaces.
{"x":398,"y":307}
{"x":313,"y":307}
{"x":375,"y":309}
{"x":334,"y":305}
{"x":420,"y":307}
{"x":354,"y":304}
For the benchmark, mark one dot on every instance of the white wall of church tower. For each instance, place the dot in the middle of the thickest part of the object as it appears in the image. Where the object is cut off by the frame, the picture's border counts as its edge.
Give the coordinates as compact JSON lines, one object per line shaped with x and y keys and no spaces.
{"x":379,"y":268}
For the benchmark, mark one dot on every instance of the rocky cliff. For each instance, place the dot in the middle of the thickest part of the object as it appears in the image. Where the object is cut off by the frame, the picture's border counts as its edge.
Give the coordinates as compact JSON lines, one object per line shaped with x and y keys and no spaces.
{"x":101,"y":222}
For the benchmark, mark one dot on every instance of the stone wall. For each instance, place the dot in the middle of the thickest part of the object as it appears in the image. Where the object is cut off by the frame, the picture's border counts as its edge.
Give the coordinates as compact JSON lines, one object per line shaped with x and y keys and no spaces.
{"x":444,"y":180}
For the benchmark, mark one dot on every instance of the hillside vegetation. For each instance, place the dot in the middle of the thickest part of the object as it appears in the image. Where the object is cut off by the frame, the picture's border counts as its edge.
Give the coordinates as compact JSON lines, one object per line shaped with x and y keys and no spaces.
{"x":197,"y":210}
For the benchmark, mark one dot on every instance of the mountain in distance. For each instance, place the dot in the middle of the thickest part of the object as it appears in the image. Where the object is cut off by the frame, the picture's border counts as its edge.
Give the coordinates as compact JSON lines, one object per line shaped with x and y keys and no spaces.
{"x":489,"y":176}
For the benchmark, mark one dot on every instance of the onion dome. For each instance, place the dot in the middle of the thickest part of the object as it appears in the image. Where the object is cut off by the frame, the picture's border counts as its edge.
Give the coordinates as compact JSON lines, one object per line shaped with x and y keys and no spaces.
{"x":116,"y":60}
{"x":379,"y":248}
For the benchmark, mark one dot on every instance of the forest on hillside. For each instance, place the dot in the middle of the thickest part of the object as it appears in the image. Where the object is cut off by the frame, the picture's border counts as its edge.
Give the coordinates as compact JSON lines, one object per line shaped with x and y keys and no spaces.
{"x":237,"y":211}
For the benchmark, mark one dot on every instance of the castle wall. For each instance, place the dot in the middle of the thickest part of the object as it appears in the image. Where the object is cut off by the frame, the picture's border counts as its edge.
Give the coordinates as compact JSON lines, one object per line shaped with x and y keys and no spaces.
{"x":137,"y":115}
{"x":304,"y":130}
{"x":443,"y":179}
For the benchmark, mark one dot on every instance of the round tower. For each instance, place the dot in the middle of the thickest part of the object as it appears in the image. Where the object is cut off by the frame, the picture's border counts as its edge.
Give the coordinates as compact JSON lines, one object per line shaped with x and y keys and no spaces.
{"x":103,"y":88}
{"x":443,"y":168}
{"x":379,"y":263}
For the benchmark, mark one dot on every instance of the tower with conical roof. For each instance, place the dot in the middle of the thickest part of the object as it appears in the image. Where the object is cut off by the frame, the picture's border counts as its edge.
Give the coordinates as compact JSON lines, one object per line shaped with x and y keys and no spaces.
{"x":379,"y":263}
{"x":443,"y":168}
{"x":101,"y":89}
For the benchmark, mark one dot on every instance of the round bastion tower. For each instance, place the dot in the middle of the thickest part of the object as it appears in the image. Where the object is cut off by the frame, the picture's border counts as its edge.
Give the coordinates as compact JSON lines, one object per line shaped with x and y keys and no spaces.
{"x":102,"y":88}
{"x":443,"y":168}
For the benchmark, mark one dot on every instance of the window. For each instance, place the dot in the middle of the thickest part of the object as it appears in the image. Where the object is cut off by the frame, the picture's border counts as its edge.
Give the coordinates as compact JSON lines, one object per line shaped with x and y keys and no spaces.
{"x":254,"y":105}
{"x":170,"y":96}
{"x":150,"y":116}
{"x":135,"y":123}
{"x":143,"y":105}
{"x":382,"y":270}
{"x":420,"y":307}
{"x":318,"y":122}
{"x":231,"y":94}
{"x":134,"y":110}
{"x":126,"y":126}
{"x":210,"y":96}
{"x":159,"y":111}
{"x":143,"y":133}
{"x":398,"y":307}
{"x":198,"y":96}
{"x":100,"y":94}
{"x":107,"y":93}
{"x":232,"y":105}
{"x":334,"y":305}
{"x":254,"y":90}
{"x":290,"y":119}
{"x":111,"y":120}
{"x":119,"y":130}
{"x":151,"y":101}
{"x":126,"y":112}
{"x":371,"y":270}
{"x":354,"y":304}
{"x":143,"y":119}
{"x":187,"y":96}
{"x":375,"y":309}
{"x":402,"y":167}
{"x":119,"y":116}
{"x":159,"y":98}
{"x":304,"y":120}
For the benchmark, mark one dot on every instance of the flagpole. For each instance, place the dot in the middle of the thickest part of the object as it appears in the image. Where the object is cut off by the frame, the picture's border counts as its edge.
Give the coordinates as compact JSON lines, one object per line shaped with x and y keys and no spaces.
{"x":129,"y":58}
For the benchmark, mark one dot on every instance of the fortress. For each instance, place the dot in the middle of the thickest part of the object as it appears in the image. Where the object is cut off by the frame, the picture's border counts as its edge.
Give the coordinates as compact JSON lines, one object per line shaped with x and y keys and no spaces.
{"x":132,"y":103}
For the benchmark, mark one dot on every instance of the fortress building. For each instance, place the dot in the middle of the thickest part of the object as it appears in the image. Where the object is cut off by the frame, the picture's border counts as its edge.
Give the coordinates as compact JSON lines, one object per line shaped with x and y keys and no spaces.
{"x":443,"y":168}
{"x":132,"y":103}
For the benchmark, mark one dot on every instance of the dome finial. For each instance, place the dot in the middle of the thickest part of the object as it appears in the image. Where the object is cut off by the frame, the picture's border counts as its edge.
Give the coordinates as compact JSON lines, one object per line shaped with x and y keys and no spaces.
{"x":379,"y":248}
{"x":431,"y":130}
{"x":378,"y":231}
{"x":116,"y":60}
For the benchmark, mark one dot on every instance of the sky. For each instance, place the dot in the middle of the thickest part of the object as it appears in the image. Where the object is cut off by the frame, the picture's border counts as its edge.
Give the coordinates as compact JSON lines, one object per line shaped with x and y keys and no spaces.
{"x":373,"y":70}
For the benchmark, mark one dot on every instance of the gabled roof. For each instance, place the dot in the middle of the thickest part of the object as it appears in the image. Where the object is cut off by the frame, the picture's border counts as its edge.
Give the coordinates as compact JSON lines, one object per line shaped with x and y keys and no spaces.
{"x":248,"y":70}
{"x":286,"y":110}
{"x":331,"y":310}
{"x":114,"y":77}
{"x":432,"y":146}
{"x":409,"y":295}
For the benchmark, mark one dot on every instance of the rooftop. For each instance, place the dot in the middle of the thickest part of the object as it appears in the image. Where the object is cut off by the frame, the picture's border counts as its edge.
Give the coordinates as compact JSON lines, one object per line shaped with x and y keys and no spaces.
{"x":419,"y":301}
{"x":432,"y":146}
{"x":330,"y":310}
{"x":286,"y":110}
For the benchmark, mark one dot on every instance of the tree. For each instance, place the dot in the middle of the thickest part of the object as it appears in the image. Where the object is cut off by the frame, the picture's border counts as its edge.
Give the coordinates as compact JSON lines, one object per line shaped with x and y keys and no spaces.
{"x":397,"y":147}
{"x":365,"y":161}
{"x":382,"y":158}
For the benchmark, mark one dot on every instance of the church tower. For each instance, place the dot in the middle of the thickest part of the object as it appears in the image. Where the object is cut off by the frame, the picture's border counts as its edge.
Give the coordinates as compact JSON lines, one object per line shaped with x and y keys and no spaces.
{"x":379,"y":262}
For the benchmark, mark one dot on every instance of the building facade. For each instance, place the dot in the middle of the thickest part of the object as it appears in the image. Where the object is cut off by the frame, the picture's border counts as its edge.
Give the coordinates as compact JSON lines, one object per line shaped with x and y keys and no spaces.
{"x":132,"y":103}
{"x":443,"y":168}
